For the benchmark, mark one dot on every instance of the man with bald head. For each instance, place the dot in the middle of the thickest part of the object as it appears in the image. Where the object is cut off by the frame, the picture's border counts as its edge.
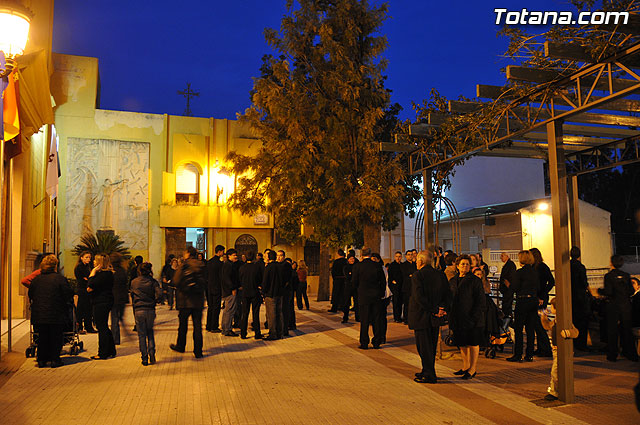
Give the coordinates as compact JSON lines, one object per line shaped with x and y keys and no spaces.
{"x":507,"y":273}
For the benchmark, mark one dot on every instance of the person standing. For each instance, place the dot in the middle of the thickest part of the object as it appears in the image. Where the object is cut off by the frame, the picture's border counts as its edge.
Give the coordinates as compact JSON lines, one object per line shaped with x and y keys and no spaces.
{"x":168,"y":271}
{"x":547,"y":282}
{"x":145,"y":293}
{"x":84,"y":313}
{"x":395,"y":284}
{"x":285,"y":271}
{"x":230,"y":285}
{"x":120,"y":295}
{"x":301,"y":293}
{"x":369,"y":280}
{"x":350,"y":291}
{"x":294,"y":282}
{"x":214,"y":294}
{"x":51,"y":296}
{"x":408,"y":267}
{"x":430,"y":298}
{"x":337,"y":274}
{"x":163,"y":279}
{"x":384,"y":302}
{"x":272,"y":287}
{"x":189,"y":283}
{"x":467,"y":318}
{"x":250,"y":276}
{"x":100,"y":288}
{"x":525,"y":285}
{"x":507,"y":275}
{"x":618,"y":291}
{"x":580,"y":303}
{"x":450,"y":262}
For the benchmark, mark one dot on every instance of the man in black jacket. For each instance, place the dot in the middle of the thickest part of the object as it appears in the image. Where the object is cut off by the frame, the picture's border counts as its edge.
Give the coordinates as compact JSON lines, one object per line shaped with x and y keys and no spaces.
{"x":250,"y":276}
{"x":214,"y":295}
{"x":395,"y":284}
{"x":189,"y":283}
{"x":408,"y":268}
{"x":229,"y":288}
{"x":507,"y":273}
{"x":337,"y":274}
{"x":272,"y":287}
{"x":368,"y":278}
{"x":580,"y":308}
{"x":287,"y":290}
{"x":429,"y":297}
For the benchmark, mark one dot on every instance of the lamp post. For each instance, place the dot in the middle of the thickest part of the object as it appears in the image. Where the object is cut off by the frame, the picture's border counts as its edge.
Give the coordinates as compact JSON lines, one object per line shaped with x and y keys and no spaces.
{"x":15,"y":20}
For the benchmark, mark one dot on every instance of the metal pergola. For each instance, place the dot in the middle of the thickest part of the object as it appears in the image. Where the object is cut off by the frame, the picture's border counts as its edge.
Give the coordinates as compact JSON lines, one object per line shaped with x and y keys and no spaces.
{"x":560,"y":120}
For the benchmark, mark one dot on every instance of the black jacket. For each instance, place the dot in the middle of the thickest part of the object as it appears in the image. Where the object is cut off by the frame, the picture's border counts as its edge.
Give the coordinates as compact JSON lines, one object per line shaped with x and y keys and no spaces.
{"x":102,"y":287}
{"x":508,"y":272}
{"x":271,"y":281}
{"x":51,"y":295}
{"x":120,"y":283}
{"x":468,"y":305}
{"x":229,"y":278}
{"x":430,"y":291}
{"x":82,"y":272}
{"x":285,"y":271}
{"x":337,"y":268}
{"x":369,"y":279}
{"x":250,"y":275}
{"x":579,"y":287}
{"x":407,"y":271}
{"x":395,"y":274}
{"x":547,"y":282}
{"x":635,"y":310}
{"x":145,"y":291}
{"x":214,"y":275}
{"x":526,"y":281}
{"x":618,"y":290}
{"x":189,"y":296}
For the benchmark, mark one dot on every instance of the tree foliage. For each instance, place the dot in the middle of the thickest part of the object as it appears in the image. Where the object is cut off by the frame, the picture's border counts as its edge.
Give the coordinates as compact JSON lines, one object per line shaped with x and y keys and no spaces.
{"x":317,"y":107}
{"x":101,"y":243}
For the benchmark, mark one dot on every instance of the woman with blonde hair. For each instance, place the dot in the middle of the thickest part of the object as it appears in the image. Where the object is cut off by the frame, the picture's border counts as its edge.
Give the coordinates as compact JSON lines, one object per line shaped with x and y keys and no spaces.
{"x":100,"y":288}
{"x":301,"y":292}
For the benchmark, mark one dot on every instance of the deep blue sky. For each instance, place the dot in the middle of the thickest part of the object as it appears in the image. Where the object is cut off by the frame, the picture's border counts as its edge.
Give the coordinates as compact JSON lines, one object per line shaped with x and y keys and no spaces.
{"x":149,"y":50}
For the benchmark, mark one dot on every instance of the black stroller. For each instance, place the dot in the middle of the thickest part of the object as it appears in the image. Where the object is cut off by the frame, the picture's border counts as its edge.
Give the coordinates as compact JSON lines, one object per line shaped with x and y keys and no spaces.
{"x":70,"y":336}
{"x":497,"y":329}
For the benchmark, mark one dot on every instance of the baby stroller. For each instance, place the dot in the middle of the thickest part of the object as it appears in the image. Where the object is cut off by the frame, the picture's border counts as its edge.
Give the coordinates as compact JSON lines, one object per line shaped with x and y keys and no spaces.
{"x":497,"y":329}
{"x":70,"y":336}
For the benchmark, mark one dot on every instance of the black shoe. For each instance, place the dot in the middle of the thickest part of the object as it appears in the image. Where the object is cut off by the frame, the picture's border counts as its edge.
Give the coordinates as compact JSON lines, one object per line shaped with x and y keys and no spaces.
{"x":514,"y":359}
{"x":345,"y":321}
{"x":418,"y":374}
{"x":42,"y":364}
{"x":230,"y":333}
{"x":198,"y":355}
{"x":363,"y":347}
{"x":528,"y":358}
{"x":216,"y":331}
{"x":468,"y":376}
{"x":550,"y":397}
{"x":257,"y":336}
{"x":57,"y":363}
{"x":175,"y":348}
{"x":145,"y":363}
{"x":424,"y":380}
{"x":376,"y":346}
{"x":460,"y":372}
{"x":98,"y":358}
{"x":331,"y":310}
{"x":612,"y":359}
{"x":92,"y":331}
{"x":152,"y":359}
{"x":287,"y":334}
{"x":244,"y":337}
{"x":269,"y":338}
{"x":543,"y":354}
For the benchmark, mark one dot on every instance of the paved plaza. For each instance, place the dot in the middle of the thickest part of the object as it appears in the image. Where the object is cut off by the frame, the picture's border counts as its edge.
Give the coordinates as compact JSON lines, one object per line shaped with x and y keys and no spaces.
{"x":317,"y":376}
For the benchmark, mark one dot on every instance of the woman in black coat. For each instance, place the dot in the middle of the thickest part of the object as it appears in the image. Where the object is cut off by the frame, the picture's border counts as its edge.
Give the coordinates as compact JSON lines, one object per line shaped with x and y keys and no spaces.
{"x":83,"y":305}
{"x":100,"y":289}
{"x":51,"y":297}
{"x":466,"y":319}
{"x":547,"y":282}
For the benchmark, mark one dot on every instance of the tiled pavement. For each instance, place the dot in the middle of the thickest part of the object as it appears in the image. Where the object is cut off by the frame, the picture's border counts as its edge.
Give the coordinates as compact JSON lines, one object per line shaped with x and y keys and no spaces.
{"x":318,"y":376}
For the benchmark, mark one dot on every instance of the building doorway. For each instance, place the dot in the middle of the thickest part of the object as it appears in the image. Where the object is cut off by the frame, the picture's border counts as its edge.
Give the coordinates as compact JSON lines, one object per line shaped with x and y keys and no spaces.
{"x":246,"y":243}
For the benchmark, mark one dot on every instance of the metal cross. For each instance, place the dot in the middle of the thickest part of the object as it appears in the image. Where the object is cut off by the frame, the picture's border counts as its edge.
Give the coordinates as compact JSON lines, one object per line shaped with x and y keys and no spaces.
{"x":188,"y":93}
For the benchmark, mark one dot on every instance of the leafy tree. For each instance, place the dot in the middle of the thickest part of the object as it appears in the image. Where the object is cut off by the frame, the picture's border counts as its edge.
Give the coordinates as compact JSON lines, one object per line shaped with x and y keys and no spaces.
{"x":101,"y":243}
{"x":317,"y":108}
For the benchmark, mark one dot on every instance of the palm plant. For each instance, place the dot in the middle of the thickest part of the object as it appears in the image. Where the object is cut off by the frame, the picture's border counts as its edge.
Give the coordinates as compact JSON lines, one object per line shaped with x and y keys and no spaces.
{"x":101,"y":243}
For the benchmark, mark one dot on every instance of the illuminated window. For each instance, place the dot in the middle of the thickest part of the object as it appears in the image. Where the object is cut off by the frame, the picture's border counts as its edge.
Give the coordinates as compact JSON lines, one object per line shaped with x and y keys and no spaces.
{"x":187,"y":184}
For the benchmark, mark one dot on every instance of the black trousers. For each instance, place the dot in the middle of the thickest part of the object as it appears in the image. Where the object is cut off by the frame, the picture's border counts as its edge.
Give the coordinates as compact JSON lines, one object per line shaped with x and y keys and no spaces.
{"x":369,"y":317}
{"x":619,"y":325}
{"x":84,"y":313}
{"x":382,"y":318}
{"x":405,"y":306}
{"x":397,"y":303}
{"x":526,"y":315}
{"x":301,"y":292}
{"x":171,"y":292}
{"x":252,"y":303}
{"x":238,"y":313}
{"x":350,"y":293}
{"x":213,"y":311}
{"x":183,"y":323}
{"x":106,"y":345}
{"x":426,"y":343}
{"x":288,"y":311}
{"x":581,"y":322}
{"x":49,"y":342}
{"x":507,"y":303}
{"x":542,"y":338}
{"x":337,"y":294}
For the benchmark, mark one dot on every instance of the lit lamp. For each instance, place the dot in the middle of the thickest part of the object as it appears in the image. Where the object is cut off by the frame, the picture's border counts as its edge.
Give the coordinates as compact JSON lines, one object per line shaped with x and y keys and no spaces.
{"x":14,"y":32}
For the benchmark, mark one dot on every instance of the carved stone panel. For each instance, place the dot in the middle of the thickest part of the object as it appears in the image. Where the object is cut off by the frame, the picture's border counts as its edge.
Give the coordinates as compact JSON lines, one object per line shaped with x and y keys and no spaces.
{"x":107,"y":189}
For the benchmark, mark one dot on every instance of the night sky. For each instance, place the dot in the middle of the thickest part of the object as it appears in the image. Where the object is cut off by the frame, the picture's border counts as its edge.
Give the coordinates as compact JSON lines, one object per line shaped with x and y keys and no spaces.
{"x":149,"y":50}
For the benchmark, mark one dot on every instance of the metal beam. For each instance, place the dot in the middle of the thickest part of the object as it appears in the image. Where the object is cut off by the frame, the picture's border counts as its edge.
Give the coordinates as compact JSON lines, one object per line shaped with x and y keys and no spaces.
{"x":609,"y":155}
{"x":429,"y":229}
{"x":574,"y":211}
{"x":575,"y":52}
{"x":558,"y":178}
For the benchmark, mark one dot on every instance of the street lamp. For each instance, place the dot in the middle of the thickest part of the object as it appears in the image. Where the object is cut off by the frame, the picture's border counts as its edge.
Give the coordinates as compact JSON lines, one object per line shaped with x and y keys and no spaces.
{"x":14,"y":32}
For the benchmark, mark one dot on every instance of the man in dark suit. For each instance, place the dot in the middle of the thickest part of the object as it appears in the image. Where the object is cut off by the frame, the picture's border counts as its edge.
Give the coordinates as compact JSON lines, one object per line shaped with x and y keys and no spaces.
{"x":369,"y":280}
{"x":507,"y":273}
{"x":230,"y":287}
{"x":287,"y":288}
{"x":250,"y":276}
{"x":580,"y":303}
{"x":272,"y":288}
{"x":430,"y":294}
{"x":214,"y":294}
{"x":408,"y":267}
{"x":395,"y":284}
{"x":337,"y":274}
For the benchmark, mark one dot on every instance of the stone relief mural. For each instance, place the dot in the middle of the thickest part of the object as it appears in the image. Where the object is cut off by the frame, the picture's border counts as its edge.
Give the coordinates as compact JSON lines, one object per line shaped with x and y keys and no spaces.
{"x":107,"y":189}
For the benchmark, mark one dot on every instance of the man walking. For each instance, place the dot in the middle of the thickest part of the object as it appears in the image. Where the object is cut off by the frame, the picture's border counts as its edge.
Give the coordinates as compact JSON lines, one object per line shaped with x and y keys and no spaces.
{"x":229,"y":288}
{"x":250,"y":276}
{"x":369,"y":280}
{"x":272,"y":287}
{"x":337,"y":274}
{"x":508,"y":274}
{"x":214,"y":295}
{"x":430,"y":295}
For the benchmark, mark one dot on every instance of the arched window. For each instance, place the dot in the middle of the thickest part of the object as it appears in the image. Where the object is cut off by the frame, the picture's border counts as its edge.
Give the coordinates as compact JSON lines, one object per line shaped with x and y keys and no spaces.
{"x":187,"y":184}
{"x":246,"y":243}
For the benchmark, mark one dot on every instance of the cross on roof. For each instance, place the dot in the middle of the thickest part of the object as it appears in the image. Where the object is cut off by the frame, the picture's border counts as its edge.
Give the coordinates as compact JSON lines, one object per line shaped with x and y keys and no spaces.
{"x":188,"y":94}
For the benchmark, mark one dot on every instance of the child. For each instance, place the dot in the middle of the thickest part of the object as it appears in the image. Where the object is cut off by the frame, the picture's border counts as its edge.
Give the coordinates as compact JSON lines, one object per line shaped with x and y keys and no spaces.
{"x":145,"y":292}
{"x":549,"y":323}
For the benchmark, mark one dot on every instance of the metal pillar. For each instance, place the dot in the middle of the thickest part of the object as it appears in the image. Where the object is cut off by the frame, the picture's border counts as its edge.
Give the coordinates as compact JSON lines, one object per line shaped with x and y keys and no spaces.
{"x":574,"y":211}
{"x":2,"y":237}
{"x":10,"y":256}
{"x":558,"y":178}
{"x":428,"y":227}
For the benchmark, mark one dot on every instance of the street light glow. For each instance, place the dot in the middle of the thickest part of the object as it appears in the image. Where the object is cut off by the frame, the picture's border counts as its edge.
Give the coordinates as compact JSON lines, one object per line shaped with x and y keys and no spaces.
{"x":543,"y":206}
{"x":14,"y":32}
